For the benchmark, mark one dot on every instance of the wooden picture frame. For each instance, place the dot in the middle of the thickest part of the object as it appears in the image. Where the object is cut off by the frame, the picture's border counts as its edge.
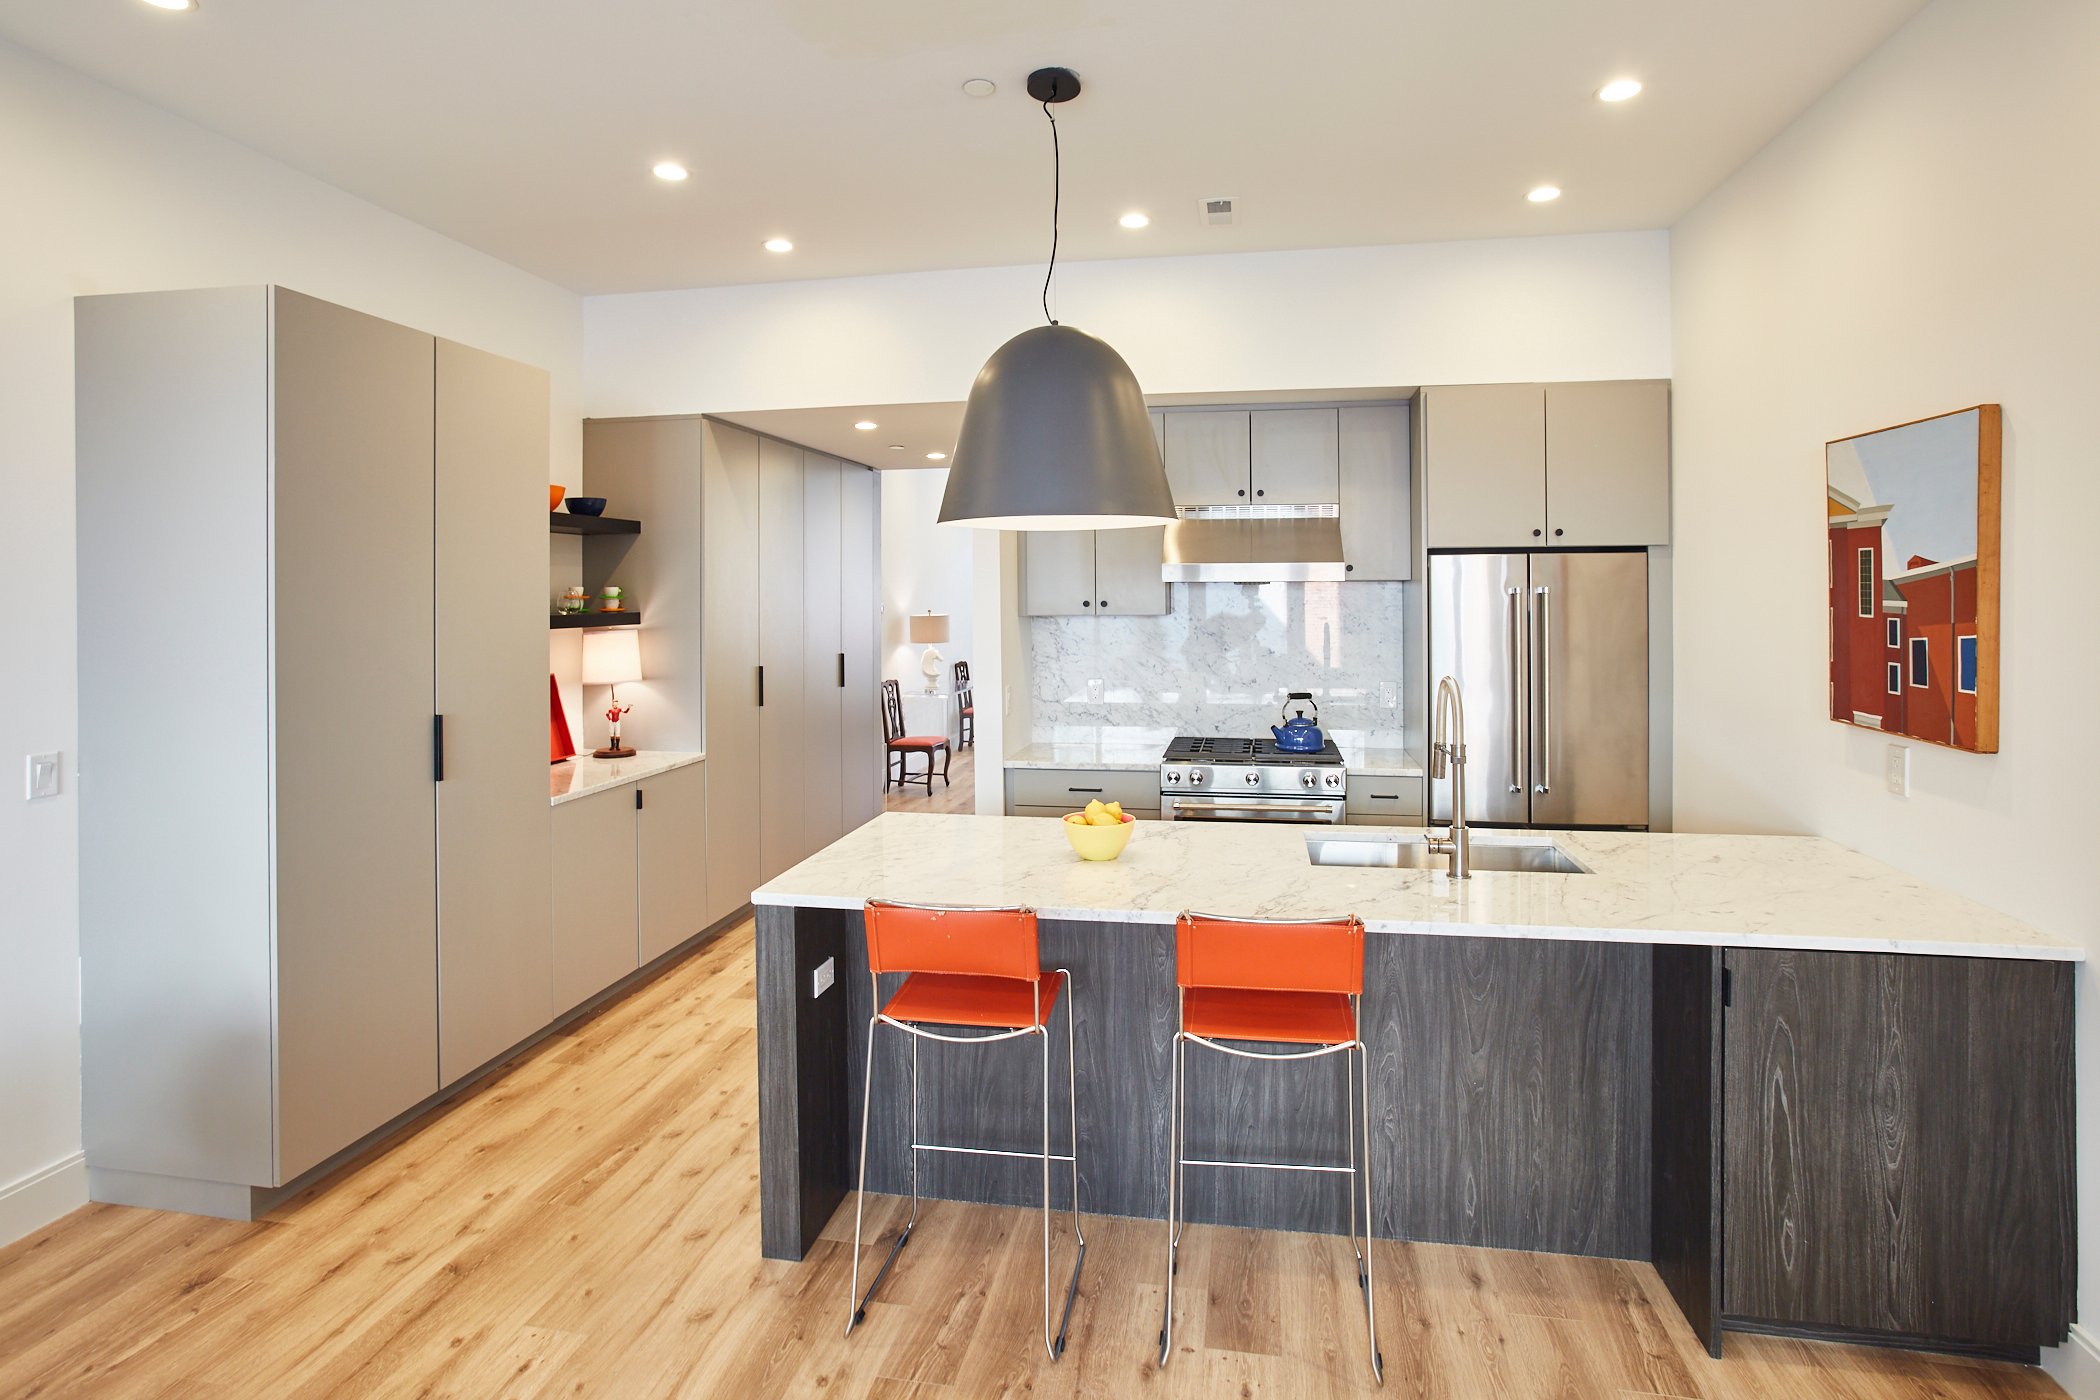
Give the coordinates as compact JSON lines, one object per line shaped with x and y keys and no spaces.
{"x":1913,"y":515}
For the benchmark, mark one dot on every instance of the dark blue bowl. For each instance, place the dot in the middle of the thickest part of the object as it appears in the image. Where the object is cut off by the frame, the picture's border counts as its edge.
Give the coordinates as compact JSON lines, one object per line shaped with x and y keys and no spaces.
{"x":586,"y":505}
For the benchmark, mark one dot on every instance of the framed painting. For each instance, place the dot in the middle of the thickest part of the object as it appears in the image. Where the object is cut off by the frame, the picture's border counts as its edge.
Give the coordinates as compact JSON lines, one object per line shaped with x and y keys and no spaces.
{"x":1914,"y":559}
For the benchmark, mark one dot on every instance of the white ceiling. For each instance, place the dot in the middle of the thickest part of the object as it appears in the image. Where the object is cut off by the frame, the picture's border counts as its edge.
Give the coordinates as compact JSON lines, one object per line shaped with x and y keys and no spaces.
{"x":905,"y":432}
{"x":527,"y":128}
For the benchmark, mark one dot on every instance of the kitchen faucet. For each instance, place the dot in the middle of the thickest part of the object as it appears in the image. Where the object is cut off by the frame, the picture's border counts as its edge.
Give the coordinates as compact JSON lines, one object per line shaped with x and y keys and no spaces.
{"x":1447,"y":753}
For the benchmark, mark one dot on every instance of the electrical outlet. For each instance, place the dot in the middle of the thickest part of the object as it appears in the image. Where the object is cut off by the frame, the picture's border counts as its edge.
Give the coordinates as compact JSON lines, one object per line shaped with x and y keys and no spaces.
{"x":1389,"y":695}
{"x":1095,"y":689}
{"x":43,"y":775}
{"x":1006,"y":699}
{"x":1897,"y":767}
{"x":820,"y":981}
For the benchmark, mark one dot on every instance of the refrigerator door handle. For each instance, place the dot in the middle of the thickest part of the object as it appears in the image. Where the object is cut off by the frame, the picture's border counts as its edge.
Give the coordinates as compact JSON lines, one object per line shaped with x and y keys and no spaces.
{"x":1516,"y":700}
{"x":1544,"y":652}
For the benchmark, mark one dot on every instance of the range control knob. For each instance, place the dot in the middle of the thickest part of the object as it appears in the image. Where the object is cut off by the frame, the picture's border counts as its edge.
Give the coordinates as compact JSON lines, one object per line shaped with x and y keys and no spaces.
{"x":1253,"y":778}
{"x":1173,"y":776}
{"x":1309,"y":778}
{"x":1197,"y":775}
{"x":1334,"y":780}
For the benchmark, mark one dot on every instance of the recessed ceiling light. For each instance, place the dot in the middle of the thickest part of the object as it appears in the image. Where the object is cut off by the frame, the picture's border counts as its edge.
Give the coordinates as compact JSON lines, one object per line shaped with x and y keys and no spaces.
{"x":668,"y":170}
{"x":1134,"y":220}
{"x":1619,"y":89}
{"x":1544,"y":194}
{"x":980,"y":87}
{"x":936,"y":456}
{"x":867,"y":426}
{"x":896,"y":447}
{"x":173,"y":4}
{"x":779,"y":245}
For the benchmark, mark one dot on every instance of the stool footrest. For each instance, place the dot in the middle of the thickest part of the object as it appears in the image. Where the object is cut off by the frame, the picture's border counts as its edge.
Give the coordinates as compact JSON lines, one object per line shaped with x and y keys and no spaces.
{"x":989,"y":1152}
{"x":1263,"y":1166}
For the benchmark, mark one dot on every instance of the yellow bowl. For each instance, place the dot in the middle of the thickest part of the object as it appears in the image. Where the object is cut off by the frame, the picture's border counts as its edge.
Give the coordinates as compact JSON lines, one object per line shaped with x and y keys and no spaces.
{"x":1099,"y":842}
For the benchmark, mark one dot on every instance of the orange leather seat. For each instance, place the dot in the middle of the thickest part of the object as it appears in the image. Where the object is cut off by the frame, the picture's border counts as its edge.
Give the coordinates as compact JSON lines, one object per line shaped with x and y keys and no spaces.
{"x":919,"y":741}
{"x":953,"y":999}
{"x":1290,"y":1018}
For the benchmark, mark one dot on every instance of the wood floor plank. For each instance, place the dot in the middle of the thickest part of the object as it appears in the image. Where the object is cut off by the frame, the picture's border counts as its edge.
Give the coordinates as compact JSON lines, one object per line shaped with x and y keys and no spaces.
{"x":585,"y":1224}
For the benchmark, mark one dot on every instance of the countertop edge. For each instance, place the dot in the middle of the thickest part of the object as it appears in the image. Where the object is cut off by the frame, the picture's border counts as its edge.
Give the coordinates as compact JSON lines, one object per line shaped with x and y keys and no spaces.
{"x":644,"y":765}
{"x":1566,"y":933}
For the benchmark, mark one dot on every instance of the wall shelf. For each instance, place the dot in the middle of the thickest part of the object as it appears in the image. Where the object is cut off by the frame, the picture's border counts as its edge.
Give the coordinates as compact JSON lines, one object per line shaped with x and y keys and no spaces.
{"x":560,"y":522}
{"x":557,"y":622}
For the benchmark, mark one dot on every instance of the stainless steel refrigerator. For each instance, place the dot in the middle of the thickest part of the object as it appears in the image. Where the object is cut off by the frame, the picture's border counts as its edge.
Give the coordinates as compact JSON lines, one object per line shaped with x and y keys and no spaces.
{"x":1551,"y":651}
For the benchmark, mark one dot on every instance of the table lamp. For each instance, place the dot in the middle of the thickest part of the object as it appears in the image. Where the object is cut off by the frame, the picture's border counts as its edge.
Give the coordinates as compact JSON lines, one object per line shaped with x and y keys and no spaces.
{"x":612,"y":655}
{"x":930,"y":627}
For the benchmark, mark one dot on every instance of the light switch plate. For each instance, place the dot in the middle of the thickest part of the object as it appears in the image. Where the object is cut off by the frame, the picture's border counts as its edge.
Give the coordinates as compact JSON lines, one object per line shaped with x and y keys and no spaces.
{"x":43,"y":775}
{"x":1094,"y":691}
{"x":1897,"y":767}
{"x":822,"y":978}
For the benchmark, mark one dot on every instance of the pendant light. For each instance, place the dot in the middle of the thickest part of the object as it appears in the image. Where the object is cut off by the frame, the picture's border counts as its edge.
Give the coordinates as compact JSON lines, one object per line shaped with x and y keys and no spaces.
{"x":1055,"y":435}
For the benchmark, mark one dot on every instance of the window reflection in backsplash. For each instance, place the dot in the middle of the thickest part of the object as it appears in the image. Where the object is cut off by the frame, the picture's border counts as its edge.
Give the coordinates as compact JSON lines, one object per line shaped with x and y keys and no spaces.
{"x":1220,"y":663}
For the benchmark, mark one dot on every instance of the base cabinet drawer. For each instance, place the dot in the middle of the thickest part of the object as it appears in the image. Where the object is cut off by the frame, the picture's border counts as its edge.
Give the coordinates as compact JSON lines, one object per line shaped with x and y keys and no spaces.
{"x":1141,"y":813}
{"x":1898,"y":1154}
{"x":1069,"y":789}
{"x":1394,"y":801}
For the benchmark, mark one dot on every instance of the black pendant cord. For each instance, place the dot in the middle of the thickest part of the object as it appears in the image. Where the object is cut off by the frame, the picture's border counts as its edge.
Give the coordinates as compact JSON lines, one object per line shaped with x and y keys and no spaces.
{"x":1056,"y":198}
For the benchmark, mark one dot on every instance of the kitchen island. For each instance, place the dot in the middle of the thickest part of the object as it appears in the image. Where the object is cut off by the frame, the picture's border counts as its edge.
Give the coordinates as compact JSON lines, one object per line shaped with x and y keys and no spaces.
{"x":1866,"y":1080}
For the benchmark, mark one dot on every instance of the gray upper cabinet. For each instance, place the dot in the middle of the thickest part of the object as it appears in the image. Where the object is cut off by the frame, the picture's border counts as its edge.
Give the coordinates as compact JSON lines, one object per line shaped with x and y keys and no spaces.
{"x":780,"y":658}
{"x":1296,"y":456}
{"x":1376,"y":492}
{"x":1484,"y":466}
{"x":493,"y":908}
{"x":1127,"y":579}
{"x":1093,"y":573}
{"x":1608,"y":463}
{"x":1524,"y":465}
{"x":1209,"y":457}
{"x":1057,"y":573}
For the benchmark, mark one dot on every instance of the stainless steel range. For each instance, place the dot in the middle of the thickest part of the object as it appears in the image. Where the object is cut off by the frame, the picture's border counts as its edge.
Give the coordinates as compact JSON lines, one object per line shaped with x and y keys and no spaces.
{"x":1250,"y":780}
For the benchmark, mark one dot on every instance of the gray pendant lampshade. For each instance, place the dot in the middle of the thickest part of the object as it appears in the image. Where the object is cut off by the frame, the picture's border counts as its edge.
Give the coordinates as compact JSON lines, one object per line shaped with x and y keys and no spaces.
{"x":1055,"y":437}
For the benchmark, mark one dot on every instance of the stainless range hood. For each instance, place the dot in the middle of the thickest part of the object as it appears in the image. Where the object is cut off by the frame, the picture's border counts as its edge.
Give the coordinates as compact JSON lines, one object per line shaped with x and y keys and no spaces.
{"x":1255,"y":544}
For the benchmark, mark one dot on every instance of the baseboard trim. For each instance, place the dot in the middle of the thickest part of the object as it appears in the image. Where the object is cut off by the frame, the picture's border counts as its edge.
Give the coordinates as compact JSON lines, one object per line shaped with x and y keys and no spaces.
{"x":2076,"y":1364}
{"x":33,"y":1202}
{"x":1870,"y":1337}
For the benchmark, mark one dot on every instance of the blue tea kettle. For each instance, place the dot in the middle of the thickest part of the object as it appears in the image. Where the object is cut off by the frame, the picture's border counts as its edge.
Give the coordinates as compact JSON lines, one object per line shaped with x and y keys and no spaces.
{"x":1300,"y":735}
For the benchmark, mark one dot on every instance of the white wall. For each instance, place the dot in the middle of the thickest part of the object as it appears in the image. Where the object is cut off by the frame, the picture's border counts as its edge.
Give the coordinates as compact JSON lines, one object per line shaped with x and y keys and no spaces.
{"x":1588,"y":307}
{"x":1923,"y":239}
{"x":106,"y":194}
{"x":925,"y":565}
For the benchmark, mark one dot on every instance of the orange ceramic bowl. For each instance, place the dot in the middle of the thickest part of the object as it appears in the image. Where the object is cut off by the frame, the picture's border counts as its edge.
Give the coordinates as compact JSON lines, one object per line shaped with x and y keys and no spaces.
{"x":554,"y":495}
{"x":1099,"y":842}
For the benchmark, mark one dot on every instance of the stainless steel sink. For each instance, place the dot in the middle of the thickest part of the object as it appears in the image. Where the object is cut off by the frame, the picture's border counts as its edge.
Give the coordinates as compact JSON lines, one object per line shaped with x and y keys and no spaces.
{"x":1413,"y":853}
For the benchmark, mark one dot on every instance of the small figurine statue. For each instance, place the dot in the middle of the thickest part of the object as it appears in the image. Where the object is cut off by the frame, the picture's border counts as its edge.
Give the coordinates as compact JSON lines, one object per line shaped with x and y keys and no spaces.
{"x":613,"y":747}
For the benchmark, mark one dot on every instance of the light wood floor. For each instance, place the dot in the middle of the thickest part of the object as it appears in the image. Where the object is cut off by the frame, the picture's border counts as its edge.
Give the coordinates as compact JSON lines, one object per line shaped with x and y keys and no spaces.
{"x":587,"y":1225}
{"x":959,"y":795}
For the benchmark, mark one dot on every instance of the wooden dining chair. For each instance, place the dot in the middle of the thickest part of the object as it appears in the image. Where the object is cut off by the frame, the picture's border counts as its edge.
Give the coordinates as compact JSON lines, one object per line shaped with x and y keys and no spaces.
{"x":965,"y":704}
{"x":899,"y":746}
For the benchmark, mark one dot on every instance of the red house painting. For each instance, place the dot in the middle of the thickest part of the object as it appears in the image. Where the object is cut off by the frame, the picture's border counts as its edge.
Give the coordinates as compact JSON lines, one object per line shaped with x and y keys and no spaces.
{"x":1912,"y":515}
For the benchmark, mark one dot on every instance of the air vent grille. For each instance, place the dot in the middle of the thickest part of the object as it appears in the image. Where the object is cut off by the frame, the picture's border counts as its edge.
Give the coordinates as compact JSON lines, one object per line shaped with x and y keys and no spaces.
{"x":1220,"y":211}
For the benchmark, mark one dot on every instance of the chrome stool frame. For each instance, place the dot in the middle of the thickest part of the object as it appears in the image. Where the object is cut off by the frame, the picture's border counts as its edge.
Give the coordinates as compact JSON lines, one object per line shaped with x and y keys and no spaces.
{"x":1054,"y":1344}
{"x":1358,"y":1168}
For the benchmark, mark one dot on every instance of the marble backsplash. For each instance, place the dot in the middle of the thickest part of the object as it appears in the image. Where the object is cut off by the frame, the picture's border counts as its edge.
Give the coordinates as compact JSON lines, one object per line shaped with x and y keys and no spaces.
{"x":1220,"y":663}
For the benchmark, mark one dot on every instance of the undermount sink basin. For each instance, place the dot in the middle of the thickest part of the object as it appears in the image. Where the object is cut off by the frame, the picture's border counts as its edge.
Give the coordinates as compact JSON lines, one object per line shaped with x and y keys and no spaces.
{"x":1413,"y":853}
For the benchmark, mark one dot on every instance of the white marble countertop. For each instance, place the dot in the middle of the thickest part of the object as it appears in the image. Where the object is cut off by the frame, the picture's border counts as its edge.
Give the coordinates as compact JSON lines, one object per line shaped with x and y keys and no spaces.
{"x":583,"y":775}
{"x":1119,"y":753}
{"x":1744,"y":891}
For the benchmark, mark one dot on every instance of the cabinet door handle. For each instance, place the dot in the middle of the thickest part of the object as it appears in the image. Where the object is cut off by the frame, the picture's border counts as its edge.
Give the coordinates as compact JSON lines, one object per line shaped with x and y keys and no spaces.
{"x":1516,"y":700}
{"x":1104,"y":602}
{"x":1073,"y":789}
{"x":1545,"y":715}
{"x":761,"y":687}
{"x":437,"y":748}
{"x":637,"y":799}
{"x":1260,"y":492}
{"x":1086,"y":602}
{"x":842,"y":670}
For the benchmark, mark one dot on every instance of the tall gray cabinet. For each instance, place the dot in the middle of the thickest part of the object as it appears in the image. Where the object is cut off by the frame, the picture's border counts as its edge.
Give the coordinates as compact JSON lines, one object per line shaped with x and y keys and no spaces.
{"x":298,"y":548}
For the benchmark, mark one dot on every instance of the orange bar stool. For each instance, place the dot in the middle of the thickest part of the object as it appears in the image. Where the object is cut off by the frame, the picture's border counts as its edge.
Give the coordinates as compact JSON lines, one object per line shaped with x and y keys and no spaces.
{"x":978,"y":969}
{"x":1294,"y":984}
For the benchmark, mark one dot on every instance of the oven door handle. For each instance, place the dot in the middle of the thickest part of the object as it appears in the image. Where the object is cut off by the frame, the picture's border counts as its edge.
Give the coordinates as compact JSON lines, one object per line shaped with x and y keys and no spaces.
{"x":1303,"y":811}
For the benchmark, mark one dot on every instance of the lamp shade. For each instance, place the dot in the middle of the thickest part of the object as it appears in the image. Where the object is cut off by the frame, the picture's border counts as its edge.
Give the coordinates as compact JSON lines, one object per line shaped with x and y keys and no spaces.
{"x":611,"y":656}
{"x":929,"y":627}
{"x":1055,"y":437}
